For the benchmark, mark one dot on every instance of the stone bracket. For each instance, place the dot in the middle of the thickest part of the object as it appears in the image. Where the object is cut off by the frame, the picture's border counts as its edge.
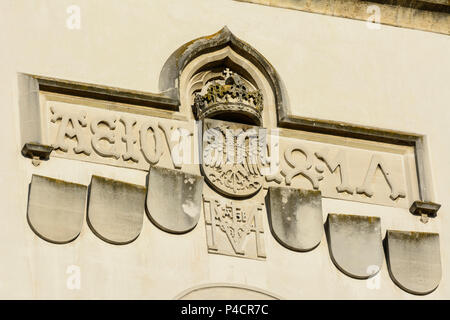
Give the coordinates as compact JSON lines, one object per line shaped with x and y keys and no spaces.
{"x":36,"y":152}
{"x":424,"y":209}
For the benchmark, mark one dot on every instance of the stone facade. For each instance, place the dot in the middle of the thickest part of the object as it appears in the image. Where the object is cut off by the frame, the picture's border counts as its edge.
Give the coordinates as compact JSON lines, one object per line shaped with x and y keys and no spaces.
{"x":248,"y":160}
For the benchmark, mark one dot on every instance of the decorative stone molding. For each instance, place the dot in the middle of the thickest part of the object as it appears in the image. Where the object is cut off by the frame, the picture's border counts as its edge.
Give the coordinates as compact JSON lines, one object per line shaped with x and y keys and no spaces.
{"x":174,"y":199}
{"x":355,"y":244}
{"x":414,"y":260}
{"x":116,"y":210}
{"x":295,"y":217}
{"x":106,"y":93}
{"x":426,"y":15}
{"x":56,"y":209}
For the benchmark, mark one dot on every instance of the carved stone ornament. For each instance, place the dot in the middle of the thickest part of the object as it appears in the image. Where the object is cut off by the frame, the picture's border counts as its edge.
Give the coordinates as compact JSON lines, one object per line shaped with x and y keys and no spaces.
{"x":234,"y":228}
{"x":231,"y":158}
{"x":228,"y":94}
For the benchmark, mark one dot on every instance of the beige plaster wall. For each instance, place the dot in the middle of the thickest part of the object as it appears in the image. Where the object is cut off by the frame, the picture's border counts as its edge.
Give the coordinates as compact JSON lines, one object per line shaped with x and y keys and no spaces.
{"x":333,"y":68}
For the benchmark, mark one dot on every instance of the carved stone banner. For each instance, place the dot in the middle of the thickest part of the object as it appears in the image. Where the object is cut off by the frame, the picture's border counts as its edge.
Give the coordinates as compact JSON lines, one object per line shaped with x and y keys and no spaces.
{"x":237,"y":160}
{"x":118,"y":138}
{"x":234,"y":228}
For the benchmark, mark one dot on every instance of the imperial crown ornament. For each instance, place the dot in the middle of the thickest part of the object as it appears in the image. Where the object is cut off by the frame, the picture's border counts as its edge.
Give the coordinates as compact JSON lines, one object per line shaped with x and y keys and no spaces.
{"x":229,"y":95}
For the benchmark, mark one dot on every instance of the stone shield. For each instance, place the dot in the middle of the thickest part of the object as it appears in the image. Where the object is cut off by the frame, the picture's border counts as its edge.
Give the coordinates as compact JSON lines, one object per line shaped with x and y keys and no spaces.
{"x":231,"y":158}
{"x":295,"y":217}
{"x":116,"y":210}
{"x":56,"y":208}
{"x":174,"y":199}
{"x":355,"y":244}
{"x":414,"y":260}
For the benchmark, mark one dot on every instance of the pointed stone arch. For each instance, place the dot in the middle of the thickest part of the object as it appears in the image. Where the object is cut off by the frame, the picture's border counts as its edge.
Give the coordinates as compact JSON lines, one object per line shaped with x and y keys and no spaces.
{"x":226,"y":291}
{"x":169,"y":81}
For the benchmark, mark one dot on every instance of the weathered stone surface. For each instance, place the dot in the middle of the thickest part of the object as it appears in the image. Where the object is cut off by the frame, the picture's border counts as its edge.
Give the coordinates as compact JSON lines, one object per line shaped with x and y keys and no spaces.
{"x":174,"y":199}
{"x":414,"y":260}
{"x":295,"y":217}
{"x":355,"y":244}
{"x":116,"y":210}
{"x":56,"y":208}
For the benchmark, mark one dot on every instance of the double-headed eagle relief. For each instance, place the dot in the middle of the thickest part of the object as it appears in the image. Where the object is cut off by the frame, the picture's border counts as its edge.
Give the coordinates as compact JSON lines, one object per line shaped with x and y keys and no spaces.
{"x":233,"y":158}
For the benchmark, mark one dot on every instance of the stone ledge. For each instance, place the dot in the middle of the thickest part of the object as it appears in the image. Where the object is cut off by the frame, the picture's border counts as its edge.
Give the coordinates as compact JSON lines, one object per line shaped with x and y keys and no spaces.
{"x":431,"y":15}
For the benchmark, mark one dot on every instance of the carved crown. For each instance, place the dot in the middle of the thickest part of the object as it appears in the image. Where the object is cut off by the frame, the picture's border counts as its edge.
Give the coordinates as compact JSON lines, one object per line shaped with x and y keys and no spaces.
{"x":228,"y":95}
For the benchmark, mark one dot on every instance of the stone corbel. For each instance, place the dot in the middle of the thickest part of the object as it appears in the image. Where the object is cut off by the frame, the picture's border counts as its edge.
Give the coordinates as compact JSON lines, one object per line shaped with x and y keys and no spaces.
{"x":425,"y":209}
{"x":36,"y":152}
